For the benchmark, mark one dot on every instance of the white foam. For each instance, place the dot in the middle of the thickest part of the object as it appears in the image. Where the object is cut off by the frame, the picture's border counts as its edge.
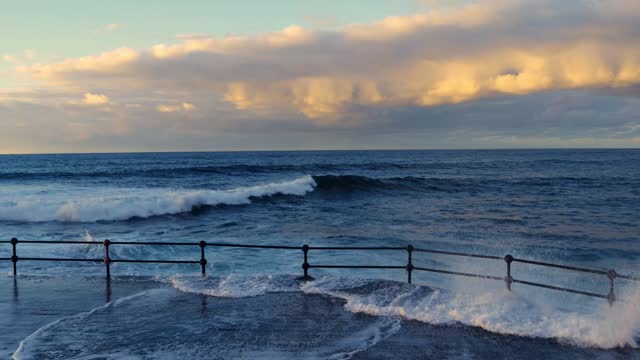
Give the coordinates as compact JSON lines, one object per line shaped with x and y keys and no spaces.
{"x":23,"y":352}
{"x":235,"y":286}
{"x":82,"y":336}
{"x":499,"y":311}
{"x":37,"y":204}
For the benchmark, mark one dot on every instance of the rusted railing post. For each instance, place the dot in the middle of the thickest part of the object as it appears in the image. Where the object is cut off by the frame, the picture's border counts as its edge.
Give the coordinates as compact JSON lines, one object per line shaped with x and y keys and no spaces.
{"x":107,"y":259}
{"x":305,"y":264}
{"x":508,"y":279}
{"x":14,"y":257}
{"x":409,"y":262}
{"x":203,"y":260}
{"x":611,"y":297}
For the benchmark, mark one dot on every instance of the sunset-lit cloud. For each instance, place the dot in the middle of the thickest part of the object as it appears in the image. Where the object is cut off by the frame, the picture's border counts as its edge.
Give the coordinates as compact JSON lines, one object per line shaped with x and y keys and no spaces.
{"x":26,"y":56}
{"x":107,"y":63}
{"x":95,"y":99}
{"x":175,"y":108}
{"x":403,"y":60}
{"x":112,"y":27}
{"x":357,"y":75}
{"x":9,"y":58}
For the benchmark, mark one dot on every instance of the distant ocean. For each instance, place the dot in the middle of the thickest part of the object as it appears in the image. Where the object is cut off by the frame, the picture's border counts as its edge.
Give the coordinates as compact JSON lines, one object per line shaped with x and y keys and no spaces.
{"x":574,"y":207}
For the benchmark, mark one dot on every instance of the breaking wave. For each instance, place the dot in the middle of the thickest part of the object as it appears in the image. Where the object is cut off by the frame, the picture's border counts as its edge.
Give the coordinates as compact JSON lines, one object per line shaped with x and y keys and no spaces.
{"x":147,"y":326}
{"x":42,"y":203}
{"x":280,"y":306}
{"x":154,"y":169}
{"x":90,"y":205}
{"x":495,"y":311}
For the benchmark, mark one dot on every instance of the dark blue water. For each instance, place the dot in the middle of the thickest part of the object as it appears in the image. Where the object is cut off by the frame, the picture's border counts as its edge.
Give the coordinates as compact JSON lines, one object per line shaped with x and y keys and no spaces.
{"x":577,"y":207}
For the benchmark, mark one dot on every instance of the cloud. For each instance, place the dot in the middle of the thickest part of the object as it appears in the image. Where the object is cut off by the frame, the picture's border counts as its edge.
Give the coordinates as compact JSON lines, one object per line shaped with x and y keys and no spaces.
{"x":50,"y":123}
{"x":27,"y":56}
{"x":9,"y":58}
{"x":107,"y":63}
{"x":473,"y":74}
{"x":185,"y":106}
{"x":112,"y":27}
{"x":95,"y":99}
{"x":193,"y":36}
{"x":444,"y":56}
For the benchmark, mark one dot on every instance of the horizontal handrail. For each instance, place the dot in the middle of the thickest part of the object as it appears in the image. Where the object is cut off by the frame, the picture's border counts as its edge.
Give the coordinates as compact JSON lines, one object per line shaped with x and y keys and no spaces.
{"x":525,"y":261}
{"x":540,"y":263}
{"x":458,"y":273}
{"x":392,"y":248}
{"x":458,"y":254}
{"x":560,"y":288}
{"x":403,"y":267}
{"x":156,"y":261}
{"x":107,"y":260}
{"x":629,"y":277}
{"x":282,"y":247}
{"x":152,"y":243}
{"x":58,"y":259}
{"x":60,"y":242}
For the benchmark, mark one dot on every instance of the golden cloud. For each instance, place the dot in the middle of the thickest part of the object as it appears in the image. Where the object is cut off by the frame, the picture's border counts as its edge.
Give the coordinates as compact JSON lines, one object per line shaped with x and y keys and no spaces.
{"x":440,"y":57}
{"x":95,"y":99}
{"x":185,"y":106}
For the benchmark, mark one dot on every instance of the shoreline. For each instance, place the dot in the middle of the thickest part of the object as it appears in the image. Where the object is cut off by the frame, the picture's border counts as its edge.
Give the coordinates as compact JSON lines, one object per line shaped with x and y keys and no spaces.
{"x":290,"y":324}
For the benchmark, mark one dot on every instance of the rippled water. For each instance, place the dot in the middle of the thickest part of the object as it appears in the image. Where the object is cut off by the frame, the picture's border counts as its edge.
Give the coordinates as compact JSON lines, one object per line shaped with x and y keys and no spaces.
{"x":576,"y":207}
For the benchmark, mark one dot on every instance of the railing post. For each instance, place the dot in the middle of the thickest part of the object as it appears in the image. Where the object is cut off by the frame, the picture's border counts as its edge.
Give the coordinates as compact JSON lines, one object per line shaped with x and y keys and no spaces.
{"x":203,"y":260}
{"x":508,"y":279}
{"x":409,"y":262}
{"x":305,"y":264}
{"x":107,"y":291}
{"x":14,"y":257}
{"x":611,"y":297}
{"x":107,"y":259}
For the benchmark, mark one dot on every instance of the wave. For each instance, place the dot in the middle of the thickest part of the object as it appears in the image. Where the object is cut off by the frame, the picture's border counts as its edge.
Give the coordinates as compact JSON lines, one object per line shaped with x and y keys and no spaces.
{"x":351,"y":183}
{"x":41,"y":204}
{"x":147,"y":326}
{"x":336,"y":333}
{"x":112,"y":204}
{"x":181,"y":171}
{"x":495,"y":311}
{"x":22,"y":352}
{"x":90,"y":205}
{"x":38,"y":204}
{"x":107,"y":170}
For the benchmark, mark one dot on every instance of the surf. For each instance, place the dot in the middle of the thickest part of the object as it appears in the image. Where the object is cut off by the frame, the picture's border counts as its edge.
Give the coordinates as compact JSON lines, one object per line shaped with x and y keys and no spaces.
{"x":111,"y":204}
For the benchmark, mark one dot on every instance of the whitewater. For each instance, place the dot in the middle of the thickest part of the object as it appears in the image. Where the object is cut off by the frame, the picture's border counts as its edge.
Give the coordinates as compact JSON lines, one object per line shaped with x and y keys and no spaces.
{"x":107,"y":204}
{"x":571,"y":207}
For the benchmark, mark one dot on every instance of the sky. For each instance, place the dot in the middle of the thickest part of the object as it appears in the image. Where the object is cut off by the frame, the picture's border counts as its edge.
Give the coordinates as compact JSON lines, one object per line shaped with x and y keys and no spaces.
{"x":116,"y":76}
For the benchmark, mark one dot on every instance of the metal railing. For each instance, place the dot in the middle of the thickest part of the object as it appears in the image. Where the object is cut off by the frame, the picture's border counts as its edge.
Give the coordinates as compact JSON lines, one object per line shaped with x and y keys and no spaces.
{"x":611,"y":275}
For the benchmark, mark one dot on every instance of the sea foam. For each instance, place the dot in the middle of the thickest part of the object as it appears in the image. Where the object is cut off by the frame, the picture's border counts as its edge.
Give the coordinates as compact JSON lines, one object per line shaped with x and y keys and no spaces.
{"x":165,"y":324}
{"x":509,"y":313}
{"x":108,"y":204}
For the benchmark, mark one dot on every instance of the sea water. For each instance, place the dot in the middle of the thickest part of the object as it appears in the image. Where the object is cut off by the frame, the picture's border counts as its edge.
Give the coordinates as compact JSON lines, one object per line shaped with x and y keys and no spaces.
{"x":573,"y":207}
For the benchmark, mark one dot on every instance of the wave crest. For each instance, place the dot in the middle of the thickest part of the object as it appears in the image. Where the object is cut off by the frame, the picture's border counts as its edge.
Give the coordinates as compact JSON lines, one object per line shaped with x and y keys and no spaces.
{"x":495,"y":311}
{"x":112,"y":204}
{"x":122,"y":204}
{"x":351,"y":183}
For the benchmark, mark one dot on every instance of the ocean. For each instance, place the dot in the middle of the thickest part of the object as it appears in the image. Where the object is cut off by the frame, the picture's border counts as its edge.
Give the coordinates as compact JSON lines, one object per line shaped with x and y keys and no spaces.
{"x":573,"y":207}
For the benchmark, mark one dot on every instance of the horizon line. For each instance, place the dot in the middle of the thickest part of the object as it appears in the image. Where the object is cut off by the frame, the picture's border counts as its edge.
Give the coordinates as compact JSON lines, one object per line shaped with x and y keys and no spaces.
{"x":317,"y":150}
